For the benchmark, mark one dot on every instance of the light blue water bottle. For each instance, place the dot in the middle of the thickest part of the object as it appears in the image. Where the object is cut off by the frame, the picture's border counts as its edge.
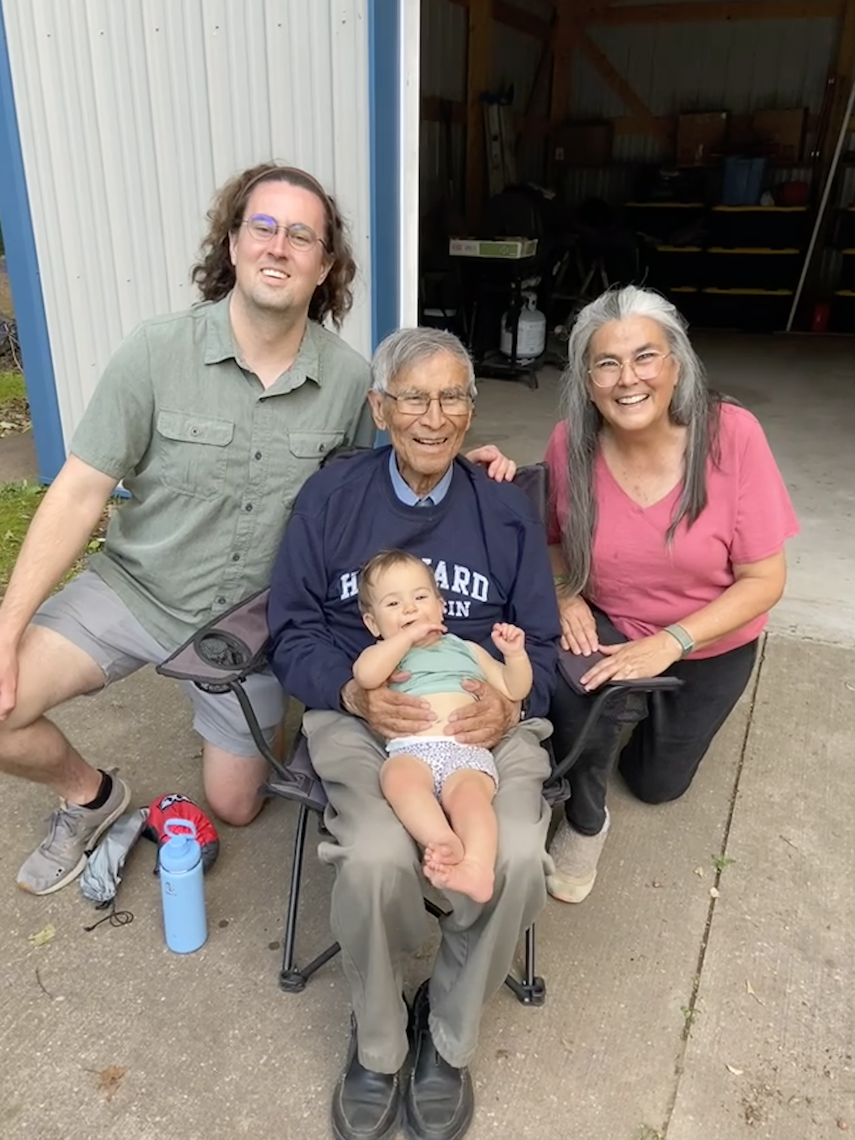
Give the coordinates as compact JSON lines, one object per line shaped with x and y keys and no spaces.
{"x":182,"y":888}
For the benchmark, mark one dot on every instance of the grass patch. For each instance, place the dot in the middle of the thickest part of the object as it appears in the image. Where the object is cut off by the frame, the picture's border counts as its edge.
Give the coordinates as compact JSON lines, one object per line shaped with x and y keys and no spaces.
{"x":18,"y":503}
{"x":12,"y":387}
{"x":14,"y":406}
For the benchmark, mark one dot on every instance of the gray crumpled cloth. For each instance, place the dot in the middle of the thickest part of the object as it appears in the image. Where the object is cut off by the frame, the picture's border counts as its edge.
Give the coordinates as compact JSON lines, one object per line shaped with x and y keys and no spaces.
{"x":103,"y":872}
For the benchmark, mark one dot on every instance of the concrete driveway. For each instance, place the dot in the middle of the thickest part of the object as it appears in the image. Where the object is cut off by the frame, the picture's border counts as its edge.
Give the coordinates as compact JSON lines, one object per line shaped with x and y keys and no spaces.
{"x":705,"y":990}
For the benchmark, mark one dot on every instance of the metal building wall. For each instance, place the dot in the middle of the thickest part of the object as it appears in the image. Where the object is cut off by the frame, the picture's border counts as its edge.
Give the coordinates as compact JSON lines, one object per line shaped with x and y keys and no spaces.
{"x":734,"y":65}
{"x":738,"y":65}
{"x":131,"y":114}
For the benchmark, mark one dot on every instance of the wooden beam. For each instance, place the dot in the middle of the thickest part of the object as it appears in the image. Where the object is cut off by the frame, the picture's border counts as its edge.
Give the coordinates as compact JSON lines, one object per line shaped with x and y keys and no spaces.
{"x":562,"y":62}
{"x":479,"y":70}
{"x":542,"y":76}
{"x":615,"y":80}
{"x":520,"y":20}
{"x":714,"y":11}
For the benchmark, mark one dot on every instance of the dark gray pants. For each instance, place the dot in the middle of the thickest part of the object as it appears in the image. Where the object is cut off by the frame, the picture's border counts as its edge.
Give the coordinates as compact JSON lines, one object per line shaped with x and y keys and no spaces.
{"x":377,"y":911}
{"x":672,"y":734}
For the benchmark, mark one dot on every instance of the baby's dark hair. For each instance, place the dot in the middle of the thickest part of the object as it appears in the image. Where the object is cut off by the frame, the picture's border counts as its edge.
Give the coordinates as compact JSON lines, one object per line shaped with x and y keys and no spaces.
{"x":377,"y":565}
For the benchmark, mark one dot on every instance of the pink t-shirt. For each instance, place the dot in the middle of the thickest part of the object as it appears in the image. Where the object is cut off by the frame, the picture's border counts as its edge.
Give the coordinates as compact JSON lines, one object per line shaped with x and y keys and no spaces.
{"x":644,"y":584}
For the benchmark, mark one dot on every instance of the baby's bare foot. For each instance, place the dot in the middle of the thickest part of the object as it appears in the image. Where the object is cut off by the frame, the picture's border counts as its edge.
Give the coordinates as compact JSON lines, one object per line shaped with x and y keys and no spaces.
{"x":444,"y":852}
{"x":467,"y":876}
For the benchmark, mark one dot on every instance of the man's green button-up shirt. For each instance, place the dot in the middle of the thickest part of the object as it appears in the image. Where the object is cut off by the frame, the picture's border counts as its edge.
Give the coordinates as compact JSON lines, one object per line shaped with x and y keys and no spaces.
{"x":211,"y":459}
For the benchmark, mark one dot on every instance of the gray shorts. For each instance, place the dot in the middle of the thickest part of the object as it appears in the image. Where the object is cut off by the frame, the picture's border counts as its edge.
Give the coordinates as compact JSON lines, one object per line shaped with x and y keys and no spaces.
{"x":444,"y":756}
{"x":93,"y":617}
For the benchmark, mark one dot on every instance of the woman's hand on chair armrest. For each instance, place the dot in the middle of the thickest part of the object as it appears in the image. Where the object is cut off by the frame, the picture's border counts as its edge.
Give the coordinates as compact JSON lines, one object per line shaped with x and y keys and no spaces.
{"x":634,"y":660}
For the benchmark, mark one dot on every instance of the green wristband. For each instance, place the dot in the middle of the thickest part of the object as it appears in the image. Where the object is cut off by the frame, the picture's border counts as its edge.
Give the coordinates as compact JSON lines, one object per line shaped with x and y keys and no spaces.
{"x":682,"y":637}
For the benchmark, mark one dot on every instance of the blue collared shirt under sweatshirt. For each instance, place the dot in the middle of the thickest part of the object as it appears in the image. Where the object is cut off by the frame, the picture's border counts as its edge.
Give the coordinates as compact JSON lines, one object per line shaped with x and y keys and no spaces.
{"x":486,"y":548}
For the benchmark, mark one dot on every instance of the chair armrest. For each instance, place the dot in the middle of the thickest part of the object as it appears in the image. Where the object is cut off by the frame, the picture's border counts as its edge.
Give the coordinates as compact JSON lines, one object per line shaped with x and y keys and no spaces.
{"x":572,"y":666}
{"x":228,"y":648}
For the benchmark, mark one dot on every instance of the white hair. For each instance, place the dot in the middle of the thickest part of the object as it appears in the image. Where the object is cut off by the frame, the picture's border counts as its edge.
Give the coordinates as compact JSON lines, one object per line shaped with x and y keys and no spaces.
{"x":402,"y":349}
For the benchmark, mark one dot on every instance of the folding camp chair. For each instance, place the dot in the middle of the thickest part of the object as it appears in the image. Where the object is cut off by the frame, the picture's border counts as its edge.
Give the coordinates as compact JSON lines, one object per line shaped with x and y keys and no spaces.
{"x":219,"y":658}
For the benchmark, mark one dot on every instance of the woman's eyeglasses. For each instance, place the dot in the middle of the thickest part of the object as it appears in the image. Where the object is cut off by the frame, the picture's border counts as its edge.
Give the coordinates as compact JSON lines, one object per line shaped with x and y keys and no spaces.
{"x":645,"y":365}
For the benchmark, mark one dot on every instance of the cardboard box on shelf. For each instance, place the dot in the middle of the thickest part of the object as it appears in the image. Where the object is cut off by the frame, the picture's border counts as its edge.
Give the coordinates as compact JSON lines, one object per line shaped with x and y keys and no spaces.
{"x":780,"y":134}
{"x":700,"y":137}
{"x":582,"y":144}
{"x":512,"y":249}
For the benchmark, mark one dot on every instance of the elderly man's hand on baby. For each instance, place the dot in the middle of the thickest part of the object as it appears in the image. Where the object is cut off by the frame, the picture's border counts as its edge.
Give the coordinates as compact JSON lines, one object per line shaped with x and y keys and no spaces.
{"x":388,"y":713}
{"x":486,"y":720}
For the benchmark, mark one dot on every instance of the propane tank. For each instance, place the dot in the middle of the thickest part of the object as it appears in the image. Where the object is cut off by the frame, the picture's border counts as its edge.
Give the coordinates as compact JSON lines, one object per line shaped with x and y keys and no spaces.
{"x":531,"y":331}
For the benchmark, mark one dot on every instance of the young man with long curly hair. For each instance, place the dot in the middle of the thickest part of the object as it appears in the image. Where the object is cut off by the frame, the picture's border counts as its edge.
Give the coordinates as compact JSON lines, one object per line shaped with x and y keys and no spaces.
{"x":212,"y":419}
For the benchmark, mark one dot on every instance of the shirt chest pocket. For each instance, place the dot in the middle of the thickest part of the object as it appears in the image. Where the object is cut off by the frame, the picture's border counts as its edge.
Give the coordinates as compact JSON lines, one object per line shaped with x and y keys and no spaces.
{"x":310,"y":448}
{"x":193,"y":453}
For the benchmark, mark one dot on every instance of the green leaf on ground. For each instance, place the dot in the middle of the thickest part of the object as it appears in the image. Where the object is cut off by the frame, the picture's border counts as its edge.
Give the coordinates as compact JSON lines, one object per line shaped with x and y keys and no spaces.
{"x":45,"y":935}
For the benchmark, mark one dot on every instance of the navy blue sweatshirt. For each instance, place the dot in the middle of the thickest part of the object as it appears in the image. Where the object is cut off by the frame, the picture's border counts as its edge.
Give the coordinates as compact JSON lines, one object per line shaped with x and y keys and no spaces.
{"x":483,"y":541}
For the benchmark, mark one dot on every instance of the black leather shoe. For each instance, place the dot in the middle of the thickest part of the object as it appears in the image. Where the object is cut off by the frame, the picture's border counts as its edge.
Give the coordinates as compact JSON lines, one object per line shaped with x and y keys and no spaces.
{"x":440,"y":1102}
{"x":366,"y":1105}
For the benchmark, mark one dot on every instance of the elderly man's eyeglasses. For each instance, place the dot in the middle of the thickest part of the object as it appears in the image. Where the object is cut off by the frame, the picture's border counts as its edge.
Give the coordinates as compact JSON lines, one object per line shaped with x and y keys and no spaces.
{"x":646,"y":365}
{"x":300,"y":237}
{"x":453,"y":403}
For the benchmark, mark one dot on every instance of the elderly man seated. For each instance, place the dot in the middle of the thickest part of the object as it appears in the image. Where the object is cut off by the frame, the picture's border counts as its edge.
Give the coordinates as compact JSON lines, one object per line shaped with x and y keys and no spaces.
{"x":489,"y":557}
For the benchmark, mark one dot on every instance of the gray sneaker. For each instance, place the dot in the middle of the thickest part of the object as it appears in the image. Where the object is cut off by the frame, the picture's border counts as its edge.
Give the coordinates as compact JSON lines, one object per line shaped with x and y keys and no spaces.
{"x":576,"y":857}
{"x":72,"y":832}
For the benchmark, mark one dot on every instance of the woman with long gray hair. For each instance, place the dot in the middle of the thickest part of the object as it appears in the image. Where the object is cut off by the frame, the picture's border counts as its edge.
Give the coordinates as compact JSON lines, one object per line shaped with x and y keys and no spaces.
{"x":668,"y":519}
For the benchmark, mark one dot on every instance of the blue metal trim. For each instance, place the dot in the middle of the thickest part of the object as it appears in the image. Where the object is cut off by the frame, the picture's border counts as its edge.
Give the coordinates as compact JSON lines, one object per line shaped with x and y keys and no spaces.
{"x":22,"y":261}
{"x":384,"y":86}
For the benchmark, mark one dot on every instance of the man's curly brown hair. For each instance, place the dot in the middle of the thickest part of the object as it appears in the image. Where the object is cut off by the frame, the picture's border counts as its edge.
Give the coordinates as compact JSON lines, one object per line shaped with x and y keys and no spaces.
{"x":214,"y":273}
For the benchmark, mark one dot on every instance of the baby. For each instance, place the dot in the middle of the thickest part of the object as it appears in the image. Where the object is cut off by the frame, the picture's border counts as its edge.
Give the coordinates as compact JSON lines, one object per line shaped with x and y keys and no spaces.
{"x":440,"y":790}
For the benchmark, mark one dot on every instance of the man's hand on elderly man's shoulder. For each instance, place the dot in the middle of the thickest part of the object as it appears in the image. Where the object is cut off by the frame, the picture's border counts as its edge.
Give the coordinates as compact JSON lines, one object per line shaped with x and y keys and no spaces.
{"x":388,"y":713}
{"x":484,"y":722}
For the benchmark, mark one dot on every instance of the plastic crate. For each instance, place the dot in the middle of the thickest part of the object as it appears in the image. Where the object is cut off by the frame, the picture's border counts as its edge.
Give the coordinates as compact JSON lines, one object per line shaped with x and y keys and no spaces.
{"x":743,"y":181}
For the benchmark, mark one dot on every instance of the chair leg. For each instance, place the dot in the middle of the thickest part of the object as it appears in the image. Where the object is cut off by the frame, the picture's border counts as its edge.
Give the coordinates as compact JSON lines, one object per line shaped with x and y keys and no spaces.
{"x":532,"y":989}
{"x":291,"y":979}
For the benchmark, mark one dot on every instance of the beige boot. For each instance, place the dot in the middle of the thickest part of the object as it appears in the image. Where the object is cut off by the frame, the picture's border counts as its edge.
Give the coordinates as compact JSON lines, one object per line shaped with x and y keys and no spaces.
{"x":576,"y":857}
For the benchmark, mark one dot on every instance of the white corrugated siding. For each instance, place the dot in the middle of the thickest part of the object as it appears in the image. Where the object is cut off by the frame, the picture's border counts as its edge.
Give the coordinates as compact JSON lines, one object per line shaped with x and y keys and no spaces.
{"x":132,"y":113}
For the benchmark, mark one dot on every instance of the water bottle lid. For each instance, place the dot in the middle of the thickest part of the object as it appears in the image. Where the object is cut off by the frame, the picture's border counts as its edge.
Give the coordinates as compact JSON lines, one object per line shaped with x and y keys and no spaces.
{"x":181,"y":851}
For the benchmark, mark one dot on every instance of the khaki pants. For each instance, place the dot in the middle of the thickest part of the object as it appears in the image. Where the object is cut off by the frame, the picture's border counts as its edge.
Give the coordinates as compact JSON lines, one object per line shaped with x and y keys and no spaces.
{"x":377,"y":911}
